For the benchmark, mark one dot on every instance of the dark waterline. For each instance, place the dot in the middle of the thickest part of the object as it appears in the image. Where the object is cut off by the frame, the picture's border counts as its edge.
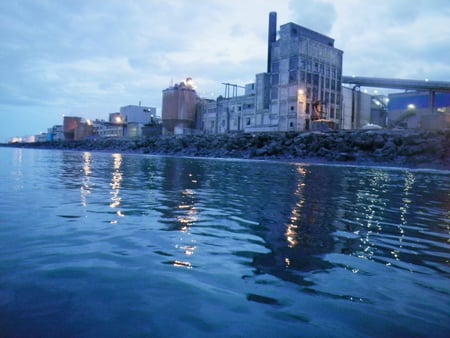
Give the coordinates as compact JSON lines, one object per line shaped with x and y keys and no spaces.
{"x":97,"y":244}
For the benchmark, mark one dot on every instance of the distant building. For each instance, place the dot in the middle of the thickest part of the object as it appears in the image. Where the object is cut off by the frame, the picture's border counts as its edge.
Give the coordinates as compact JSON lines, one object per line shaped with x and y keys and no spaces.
{"x":41,"y":137}
{"x":55,"y":133}
{"x":107,"y":129}
{"x":179,"y":108}
{"x":75,"y":128}
{"x":137,"y":114}
{"x":411,"y":110}
{"x":356,"y":109}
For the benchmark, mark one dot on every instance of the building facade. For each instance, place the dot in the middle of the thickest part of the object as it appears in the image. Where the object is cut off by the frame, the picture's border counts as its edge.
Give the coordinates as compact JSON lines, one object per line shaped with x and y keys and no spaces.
{"x":137,"y":114}
{"x":302,"y":84}
{"x":305,"y":76}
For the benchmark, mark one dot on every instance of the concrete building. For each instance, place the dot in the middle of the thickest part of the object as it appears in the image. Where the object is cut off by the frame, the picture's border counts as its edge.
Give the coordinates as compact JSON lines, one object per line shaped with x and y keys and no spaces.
{"x":235,"y":113}
{"x":305,"y":79}
{"x":137,"y":114}
{"x":55,"y":133}
{"x":107,"y":129}
{"x":356,"y":109}
{"x":302,"y":84}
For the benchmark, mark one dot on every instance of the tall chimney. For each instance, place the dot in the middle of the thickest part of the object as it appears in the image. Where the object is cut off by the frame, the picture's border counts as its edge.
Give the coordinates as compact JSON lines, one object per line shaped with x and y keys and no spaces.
{"x":272,"y":37}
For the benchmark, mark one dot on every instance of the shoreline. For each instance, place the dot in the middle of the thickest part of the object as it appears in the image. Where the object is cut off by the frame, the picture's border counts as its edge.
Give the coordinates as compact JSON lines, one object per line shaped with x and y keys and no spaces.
{"x":410,"y":149}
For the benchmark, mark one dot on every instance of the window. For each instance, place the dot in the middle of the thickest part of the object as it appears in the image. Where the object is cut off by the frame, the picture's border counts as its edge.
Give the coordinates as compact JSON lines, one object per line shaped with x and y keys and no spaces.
{"x":292,"y":108}
{"x":274,"y":93}
{"x":291,"y":124}
{"x":315,"y":80}
{"x":316,"y":67}
{"x":302,"y":76}
{"x":248,"y":121}
{"x":293,"y":62}
{"x":293,"y":76}
{"x":275,"y":67}
{"x":303,"y":62}
{"x":275,"y":79}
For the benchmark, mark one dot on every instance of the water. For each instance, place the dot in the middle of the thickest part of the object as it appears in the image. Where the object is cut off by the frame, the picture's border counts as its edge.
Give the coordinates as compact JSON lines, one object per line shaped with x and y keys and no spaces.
{"x":111,"y":245}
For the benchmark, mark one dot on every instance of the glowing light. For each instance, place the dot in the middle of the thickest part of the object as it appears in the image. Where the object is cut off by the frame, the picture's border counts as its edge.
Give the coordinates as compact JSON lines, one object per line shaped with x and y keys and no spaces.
{"x":86,"y":186}
{"x":182,"y":264}
{"x":190,"y":83}
{"x":115,"y":181}
{"x":411,"y":106}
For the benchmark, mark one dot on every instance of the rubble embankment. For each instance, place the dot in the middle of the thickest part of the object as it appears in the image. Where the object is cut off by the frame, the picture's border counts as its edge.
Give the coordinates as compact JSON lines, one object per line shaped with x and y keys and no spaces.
{"x":428,"y":149}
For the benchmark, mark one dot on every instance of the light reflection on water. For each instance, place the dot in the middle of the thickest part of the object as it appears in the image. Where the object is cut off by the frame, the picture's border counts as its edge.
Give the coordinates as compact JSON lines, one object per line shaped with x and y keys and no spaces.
{"x":220,"y":247}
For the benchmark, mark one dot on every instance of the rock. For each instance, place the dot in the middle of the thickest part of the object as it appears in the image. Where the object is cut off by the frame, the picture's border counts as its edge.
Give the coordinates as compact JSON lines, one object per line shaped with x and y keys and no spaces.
{"x":412,"y":147}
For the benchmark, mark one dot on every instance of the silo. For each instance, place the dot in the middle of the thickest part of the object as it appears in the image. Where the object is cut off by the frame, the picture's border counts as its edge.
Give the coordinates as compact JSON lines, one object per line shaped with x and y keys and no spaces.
{"x":178,"y":108}
{"x":71,"y":124}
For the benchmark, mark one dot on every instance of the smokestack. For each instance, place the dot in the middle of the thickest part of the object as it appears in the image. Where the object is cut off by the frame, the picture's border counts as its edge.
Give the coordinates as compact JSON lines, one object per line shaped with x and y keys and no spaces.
{"x":272,"y":37}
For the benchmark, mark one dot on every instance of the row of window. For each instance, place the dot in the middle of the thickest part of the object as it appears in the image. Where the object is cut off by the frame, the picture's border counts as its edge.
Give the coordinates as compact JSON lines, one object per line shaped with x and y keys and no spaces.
{"x":309,"y":64}
{"x":308,"y":79}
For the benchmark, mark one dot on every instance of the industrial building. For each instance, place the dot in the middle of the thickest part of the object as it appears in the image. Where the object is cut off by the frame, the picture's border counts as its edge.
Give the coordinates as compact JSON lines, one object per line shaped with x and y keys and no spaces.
{"x":180,"y":107}
{"x":300,"y":90}
{"x":302,"y":84}
{"x":411,"y":110}
{"x":76,"y":128}
{"x":137,"y":114}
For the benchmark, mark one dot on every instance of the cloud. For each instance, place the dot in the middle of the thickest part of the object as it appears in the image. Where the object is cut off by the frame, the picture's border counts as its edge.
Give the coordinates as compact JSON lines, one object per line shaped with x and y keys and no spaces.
{"x":314,"y":14}
{"x":393,"y":38}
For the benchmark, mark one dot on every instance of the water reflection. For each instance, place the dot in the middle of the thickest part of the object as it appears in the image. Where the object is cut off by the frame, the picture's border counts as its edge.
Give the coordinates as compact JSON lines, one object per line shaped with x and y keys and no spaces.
{"x":86,"y":188}
{"x":300,"y":213}
{"x":116,"y":179}
{"x":302,"y":229}
{"x":385,"y":213}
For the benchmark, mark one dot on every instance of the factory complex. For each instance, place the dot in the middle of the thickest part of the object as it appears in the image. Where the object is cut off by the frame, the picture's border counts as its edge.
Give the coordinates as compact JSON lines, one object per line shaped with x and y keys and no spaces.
{"x":302,"y":89}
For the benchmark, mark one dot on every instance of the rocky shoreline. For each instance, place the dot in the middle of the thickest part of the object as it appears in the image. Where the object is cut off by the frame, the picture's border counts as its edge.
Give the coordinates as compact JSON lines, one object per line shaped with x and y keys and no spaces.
{"x":411,"y":148}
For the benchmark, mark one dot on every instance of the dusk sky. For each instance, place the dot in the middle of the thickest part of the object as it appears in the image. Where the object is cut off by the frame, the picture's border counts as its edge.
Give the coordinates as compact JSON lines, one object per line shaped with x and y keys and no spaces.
{"x":88,"y":58}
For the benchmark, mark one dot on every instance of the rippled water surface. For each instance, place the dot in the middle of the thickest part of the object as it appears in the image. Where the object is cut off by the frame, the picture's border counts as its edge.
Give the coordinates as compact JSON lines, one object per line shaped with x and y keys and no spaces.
{"x":111,"y":245}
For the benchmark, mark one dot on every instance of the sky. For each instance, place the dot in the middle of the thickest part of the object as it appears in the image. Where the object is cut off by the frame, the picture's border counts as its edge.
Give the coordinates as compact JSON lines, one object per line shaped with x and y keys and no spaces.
{"x":88,"y":58}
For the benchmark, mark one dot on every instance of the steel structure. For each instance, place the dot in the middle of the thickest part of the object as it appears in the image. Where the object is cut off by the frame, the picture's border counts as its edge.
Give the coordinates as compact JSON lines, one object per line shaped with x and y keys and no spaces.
{"x":378,"y":82}
{"x":420,"y":85}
